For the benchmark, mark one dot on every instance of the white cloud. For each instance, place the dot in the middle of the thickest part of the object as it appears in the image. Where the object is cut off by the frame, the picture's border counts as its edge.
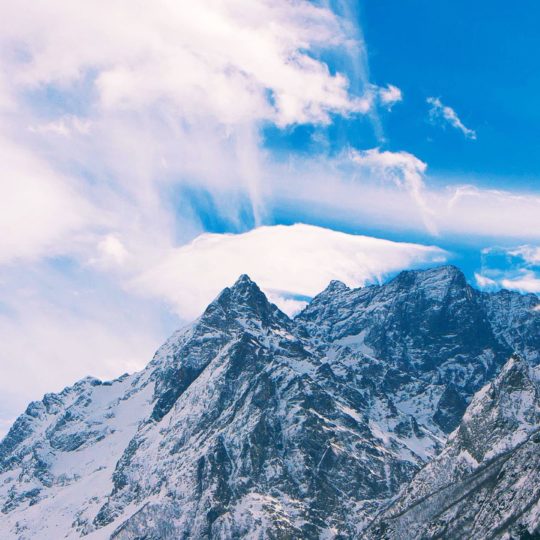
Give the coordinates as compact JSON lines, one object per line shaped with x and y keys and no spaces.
{"x":390,"y":95}
{"x":357,"y":189}
{"x":484,"y":282}
{"x":440,"y":111}
{"x":201,"y":59}
{"x":489,"y":213}
{"x":63,"y":126}
{"x":529,"y":254}
{"x":145,"y":98}
{"x":40,"y":209}
{"x":526,"y":282}
{"x":286,"y":261}
{"x":402,"y":168}
{"x":515,"y":268}
{"x":111,"y":252}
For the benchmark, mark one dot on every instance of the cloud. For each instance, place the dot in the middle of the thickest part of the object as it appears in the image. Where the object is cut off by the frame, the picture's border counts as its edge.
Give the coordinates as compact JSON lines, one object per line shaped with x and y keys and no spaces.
{"x":40,"y":209}
{"x":392,"y":191}
{"x":529,"y":254}
{"x":526,"y":282}
{"x":64,"y":126}
{"x":286,"y":261}
{"x":101,"y":118}
{"x":484,"y":282}
{"x":59,"y":323}
{"x":405,"y":170}
{"x":439,"y":111}
{"x":515,"y":268}
{"x":112,"y":252}
{"x":191,"y":57}
{"x":390,"y":95}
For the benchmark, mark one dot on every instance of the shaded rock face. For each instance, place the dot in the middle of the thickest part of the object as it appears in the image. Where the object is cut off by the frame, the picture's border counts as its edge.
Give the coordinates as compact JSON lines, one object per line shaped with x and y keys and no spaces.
{"x":425,"y":332}
{"x":247,"y":424}
{"x":486,"y":481}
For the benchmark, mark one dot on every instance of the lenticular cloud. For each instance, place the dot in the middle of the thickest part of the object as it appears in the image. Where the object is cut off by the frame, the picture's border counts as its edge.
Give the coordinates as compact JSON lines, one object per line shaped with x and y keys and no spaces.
{"x":288,"y":262}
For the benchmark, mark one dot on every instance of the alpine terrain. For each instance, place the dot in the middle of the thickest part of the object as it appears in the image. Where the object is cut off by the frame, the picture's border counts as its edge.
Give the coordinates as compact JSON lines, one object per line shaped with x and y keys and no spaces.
{"x":404,"y":410}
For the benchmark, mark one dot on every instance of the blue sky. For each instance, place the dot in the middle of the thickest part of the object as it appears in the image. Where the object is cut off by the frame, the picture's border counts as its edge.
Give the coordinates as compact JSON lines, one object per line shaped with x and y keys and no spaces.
{"x":151,"y":155}
{"x":482,"y":59}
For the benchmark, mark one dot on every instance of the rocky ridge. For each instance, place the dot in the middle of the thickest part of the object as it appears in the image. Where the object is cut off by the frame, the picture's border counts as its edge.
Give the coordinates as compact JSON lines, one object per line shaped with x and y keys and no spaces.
{"x":249,"y":424}
{"x":486,"y":481}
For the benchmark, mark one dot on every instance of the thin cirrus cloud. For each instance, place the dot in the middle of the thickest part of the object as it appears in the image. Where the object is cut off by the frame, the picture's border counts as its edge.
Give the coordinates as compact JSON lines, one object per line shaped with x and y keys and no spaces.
{"x":392,"y":191}
{"x":59,"y":325}
{"x":440,"y":112}
{"x":403,"y":169}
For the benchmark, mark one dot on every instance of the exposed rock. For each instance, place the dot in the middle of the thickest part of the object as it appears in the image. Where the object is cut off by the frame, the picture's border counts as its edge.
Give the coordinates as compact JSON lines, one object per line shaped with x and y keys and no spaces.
{"x":247,"y":424}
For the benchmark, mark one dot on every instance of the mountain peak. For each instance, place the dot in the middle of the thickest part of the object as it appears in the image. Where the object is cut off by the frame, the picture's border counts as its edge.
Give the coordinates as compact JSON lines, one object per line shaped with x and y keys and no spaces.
{"x":336,"y":285}
{"x":502,"y":413}
{"x":244,"y":292}
{"x":244,"y":281}
{"x":243,"y":303}
{"x":437,"y":278}
{"x":515,"y":375}
{"x":444,"y":271}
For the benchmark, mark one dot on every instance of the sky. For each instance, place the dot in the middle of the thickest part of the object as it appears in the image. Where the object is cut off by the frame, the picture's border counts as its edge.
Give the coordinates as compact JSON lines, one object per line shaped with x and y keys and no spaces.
{"x":150,"y":154}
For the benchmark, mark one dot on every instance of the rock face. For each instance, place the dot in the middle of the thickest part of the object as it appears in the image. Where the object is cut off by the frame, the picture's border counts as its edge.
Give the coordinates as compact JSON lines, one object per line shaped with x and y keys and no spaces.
{"x":247,"y":424}
{"x":486,"y":481}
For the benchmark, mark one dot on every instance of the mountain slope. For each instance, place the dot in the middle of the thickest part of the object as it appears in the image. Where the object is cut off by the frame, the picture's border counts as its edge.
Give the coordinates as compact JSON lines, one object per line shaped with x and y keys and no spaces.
{"x":486,"y":481}
{"x":425,"y":334}
{"x":249,"y":424}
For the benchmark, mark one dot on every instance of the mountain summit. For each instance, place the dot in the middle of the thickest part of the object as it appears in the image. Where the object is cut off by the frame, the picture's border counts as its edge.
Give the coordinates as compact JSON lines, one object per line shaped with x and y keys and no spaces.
{"x":247,"y":424}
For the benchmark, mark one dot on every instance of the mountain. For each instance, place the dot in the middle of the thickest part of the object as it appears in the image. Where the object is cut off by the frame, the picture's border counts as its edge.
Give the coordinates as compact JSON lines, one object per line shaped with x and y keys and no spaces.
{"x":249,"y":424}
{"x":486,"y":481}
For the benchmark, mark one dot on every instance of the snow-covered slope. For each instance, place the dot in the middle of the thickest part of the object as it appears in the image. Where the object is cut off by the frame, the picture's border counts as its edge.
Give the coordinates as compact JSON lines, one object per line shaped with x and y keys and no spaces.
{"x":486,"y":481}
{"x":247,"y":424}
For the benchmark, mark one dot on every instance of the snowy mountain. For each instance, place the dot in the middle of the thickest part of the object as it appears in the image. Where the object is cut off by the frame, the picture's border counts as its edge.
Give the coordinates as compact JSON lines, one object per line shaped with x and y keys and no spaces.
{"x":247,"y":424}
{"x":486,"y":481}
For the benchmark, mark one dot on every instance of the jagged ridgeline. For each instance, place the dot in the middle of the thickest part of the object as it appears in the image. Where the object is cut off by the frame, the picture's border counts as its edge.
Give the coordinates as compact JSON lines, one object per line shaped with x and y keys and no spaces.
{"x":407,"y":410}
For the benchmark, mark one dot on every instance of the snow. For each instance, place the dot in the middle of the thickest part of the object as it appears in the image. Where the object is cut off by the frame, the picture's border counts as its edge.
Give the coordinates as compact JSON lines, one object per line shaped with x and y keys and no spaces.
{"x":343,"y":396}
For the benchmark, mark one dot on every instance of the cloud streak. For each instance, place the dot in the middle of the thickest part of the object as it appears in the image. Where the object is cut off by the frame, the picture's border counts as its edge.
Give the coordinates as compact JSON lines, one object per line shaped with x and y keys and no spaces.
{"x":390,"y":191}
{"x":403,"y":169}
{"x":440,"y":112}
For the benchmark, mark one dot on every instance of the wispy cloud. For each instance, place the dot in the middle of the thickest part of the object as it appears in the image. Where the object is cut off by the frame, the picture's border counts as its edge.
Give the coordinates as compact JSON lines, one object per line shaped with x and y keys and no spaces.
{"x":59,"y":323}
{"x":529,"y":254}
{"x":402,"y":168}
{"x":438,"y":111}
{"x":516,"y":268}
{"x":526,"y":282}
{"x":369,"y":189}
{"x":143,"y":99}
